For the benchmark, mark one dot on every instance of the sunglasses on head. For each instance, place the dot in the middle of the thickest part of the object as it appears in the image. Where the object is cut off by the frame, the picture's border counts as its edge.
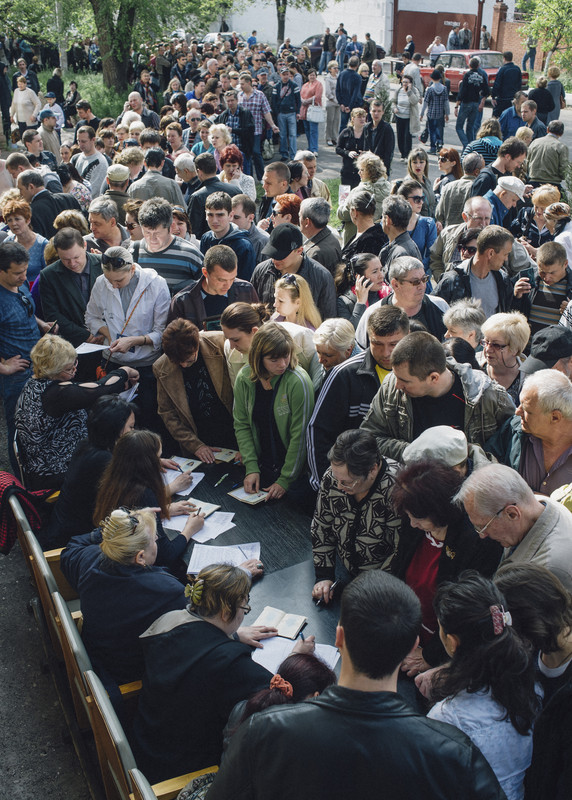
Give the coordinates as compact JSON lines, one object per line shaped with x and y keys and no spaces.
{"x":289,"y":279}
{"x":115,"y":262}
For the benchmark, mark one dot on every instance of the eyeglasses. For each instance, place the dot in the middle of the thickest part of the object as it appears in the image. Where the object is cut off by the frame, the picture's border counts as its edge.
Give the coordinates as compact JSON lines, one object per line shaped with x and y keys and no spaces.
{"x":480,"y":218}
{"x":468,"y":249}
{"x":130,"y":227}
{"x":70,"y":370}
{"x":346,"y":484}
{"x":417,"y":198}
{"x":417,"y":281}
{"x":115,"y":262}
{"x":443,"y":158}
{"x":493,"y":345}
{"x":246,"y":609}
{"x":480,"y":531}
{"x":289,"y":279}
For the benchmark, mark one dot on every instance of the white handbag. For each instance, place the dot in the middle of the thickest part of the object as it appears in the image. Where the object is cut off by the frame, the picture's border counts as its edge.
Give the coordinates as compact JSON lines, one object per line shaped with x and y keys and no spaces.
{"x":316,"y":113}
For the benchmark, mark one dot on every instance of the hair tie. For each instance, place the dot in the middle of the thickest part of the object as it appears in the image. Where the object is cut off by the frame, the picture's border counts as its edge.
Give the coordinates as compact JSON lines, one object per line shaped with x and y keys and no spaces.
{"x":501,"y":619}
{"x":194,"y":591}
{"x":278,"y":682}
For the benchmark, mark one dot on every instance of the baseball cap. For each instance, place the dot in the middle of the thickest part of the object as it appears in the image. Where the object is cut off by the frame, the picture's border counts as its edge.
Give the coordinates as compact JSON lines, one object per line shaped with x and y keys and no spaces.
{"x":263,"y":71}
{"x":511,"y":184}
{"x":284,"y":69}
{"x":283,"y":240}
{"x":46,"y":113}
{"x":49,"y":94}
{"x":118,"y":173}
{"x":442,"y":442}
{"x":548,"y":346}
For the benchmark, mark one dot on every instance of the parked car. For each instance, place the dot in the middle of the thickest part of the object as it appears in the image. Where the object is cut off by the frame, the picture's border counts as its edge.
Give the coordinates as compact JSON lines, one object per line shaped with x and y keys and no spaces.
{"x":456,"y":63}
{"x":313,"y":43}
{"x":211,"y":38}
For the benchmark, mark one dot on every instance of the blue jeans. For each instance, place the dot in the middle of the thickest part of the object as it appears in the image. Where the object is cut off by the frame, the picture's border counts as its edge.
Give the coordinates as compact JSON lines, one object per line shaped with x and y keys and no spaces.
{"x":340,"y":59}
{"x":344,"y":119}
{"x":288,"y":135}
{"x":467,"y":114}
{"x":530,"y":55}
{"x":324,"y":59}
{"x":311,"y":131}
{"x":10,"y":388}
{"x":436,"y":127}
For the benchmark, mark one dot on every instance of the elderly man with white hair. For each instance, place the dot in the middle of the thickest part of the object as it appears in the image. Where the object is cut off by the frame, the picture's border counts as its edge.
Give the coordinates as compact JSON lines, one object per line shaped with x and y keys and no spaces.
{"x":187,"y":175}
{"x":532,"y":529}
{"x":537,"y":442}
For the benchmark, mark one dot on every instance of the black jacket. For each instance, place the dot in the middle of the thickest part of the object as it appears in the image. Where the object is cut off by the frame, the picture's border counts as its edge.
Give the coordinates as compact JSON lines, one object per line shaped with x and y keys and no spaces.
{"x":432,"y":313}
{"x":381,"y":142}
{"x":485,"y":180}
{"x":507,"y":82}
{"x":245,"y":128}
{"x":196,"y":207}
{"x":45,"y":208}
{"x":370,"y":241}
{"x":189,"y":303}
{"x":455,"y":285}
{"x":463,"y":549}
{"x":342,"y":404}
{"x":402,"y":245}
{"x":345,"y":744}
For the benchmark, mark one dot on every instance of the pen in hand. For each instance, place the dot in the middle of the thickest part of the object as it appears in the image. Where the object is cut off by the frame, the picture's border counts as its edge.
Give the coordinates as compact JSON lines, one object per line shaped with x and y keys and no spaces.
{"x":332,"y":587}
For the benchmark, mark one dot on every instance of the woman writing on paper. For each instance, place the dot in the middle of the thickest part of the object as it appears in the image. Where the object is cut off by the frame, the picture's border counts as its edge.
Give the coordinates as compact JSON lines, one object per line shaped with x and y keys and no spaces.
{"x":133,"y":478}
{"x":196,"y":672}
{"x":51,"y":415}
{"x":194,"y":392}
{"x":273,"y":402}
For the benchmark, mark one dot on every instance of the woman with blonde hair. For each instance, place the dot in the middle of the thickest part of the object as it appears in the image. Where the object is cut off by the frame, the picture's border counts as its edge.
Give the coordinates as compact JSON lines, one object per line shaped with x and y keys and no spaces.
{"x":351,"y":142}
{"x":239,"y":323}
{"x":293,"y":302}
{"x":196,"y":672}
{"x":51,"y":416}
{"x":121,"y":590}
{"x":219,"y":137}
{"x":487,"y":141}
{"x":373,"y":179}
{"x":556,"y":89}
{"x":530,"y":225}
{"x":273,"y":402}
{"x":505,"y":336}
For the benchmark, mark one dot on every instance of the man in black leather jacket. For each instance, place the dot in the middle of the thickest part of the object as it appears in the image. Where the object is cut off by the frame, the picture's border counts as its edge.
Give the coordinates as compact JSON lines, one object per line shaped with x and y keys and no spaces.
{"x":359,"y":738}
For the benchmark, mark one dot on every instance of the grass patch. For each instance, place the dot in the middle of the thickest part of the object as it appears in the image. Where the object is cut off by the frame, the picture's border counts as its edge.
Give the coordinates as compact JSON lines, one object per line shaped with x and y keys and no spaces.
{"x":105,"y":102}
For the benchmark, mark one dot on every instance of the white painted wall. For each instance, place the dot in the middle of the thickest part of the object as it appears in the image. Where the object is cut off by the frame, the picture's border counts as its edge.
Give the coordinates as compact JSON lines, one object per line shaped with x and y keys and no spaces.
{"x":359,"y":16}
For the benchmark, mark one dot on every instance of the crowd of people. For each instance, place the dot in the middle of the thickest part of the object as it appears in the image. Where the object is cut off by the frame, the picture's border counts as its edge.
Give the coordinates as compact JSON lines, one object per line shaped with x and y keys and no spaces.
{"x":405,"y":381}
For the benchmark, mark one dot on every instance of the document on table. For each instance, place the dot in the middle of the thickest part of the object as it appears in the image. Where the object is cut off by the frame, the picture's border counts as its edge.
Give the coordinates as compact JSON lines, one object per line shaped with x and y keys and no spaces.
{"x":187,"y":464}
{"x":170,"y":475}
{"x":250,"y":499}
{"x":217,"y":523}
{"x":87,"y":347}
{"x":226,"y":455}
{"x":288,"y":625}
{"x":275,"y":650}
{"x":235,"y":554}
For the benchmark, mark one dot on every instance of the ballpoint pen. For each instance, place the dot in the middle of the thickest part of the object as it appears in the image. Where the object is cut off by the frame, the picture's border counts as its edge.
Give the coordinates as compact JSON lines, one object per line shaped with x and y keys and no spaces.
{"x":220,"y":480}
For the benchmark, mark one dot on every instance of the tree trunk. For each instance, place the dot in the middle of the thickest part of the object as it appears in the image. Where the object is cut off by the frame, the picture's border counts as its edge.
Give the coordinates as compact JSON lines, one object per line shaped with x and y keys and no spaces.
{"x":114,"y":42}
{"x":551,"y":53}
{"x":281,"y":14}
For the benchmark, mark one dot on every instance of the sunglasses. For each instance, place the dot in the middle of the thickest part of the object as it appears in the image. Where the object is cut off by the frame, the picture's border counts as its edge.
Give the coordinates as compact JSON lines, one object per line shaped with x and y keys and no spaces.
{"x":115,"y":262}
{"x":27,"y":304}
{"x":467,"y":249}
{"x":417,"y":281}
{"x":131,"y":225}
{"x":444,"y":158}
{"x":417,"y":198}
{"x":289,"y":279}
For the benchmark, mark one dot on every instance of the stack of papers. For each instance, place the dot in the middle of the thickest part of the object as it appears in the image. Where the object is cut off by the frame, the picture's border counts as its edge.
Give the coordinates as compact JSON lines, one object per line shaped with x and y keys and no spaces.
{"x":214,"y":525}
{"x":170,"y":474}
{"x":236,"y":554}
{"x":275,"y":650}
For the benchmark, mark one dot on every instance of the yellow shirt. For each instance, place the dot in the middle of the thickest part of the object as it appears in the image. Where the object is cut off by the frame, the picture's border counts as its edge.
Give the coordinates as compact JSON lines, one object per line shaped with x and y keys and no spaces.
{"x":382,"y":373}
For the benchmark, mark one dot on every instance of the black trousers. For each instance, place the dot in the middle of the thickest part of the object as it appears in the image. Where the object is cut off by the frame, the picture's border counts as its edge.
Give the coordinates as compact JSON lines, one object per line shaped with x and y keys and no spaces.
{"x":404,"y":139}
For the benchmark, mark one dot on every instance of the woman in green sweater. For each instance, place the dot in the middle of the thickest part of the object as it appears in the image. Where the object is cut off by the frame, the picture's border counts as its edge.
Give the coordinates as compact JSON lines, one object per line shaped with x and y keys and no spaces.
{"x":273,"y":403}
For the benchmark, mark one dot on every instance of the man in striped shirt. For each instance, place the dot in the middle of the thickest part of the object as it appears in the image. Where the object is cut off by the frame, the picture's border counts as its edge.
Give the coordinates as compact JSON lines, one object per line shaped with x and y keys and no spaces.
{"x":175,"y":259}
{"x":546,"y":301}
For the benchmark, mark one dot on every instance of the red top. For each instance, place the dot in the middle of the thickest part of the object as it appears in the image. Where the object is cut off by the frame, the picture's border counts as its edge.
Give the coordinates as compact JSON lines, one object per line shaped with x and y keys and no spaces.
{"x":421,"y":576}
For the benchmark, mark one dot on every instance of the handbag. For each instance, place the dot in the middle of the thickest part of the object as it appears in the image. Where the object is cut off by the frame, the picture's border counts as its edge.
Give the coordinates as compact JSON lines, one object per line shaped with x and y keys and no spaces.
{"x":562,"y":102}
{"x":316,"y":113}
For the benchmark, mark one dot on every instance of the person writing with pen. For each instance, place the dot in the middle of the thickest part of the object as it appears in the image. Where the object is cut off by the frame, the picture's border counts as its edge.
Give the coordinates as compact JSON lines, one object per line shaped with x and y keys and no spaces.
{"x":354,"y":522}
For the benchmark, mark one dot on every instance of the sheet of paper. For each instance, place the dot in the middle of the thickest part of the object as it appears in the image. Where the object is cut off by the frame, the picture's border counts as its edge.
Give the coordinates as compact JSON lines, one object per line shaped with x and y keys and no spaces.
{"x":275,"y":650}
{"x":224,"y":454}
{"x":129,"y":394}
{"x":170,"y":475}
{"x":244,"y":497}
{"x":86,"y":347}
{"x":204,"y":555}
{"x":187,"y":464}
{"x":217,"y":523}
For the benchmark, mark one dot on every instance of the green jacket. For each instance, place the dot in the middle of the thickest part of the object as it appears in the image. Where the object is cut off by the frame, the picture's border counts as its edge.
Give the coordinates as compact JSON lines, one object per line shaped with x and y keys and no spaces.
{"x":293,"y":406}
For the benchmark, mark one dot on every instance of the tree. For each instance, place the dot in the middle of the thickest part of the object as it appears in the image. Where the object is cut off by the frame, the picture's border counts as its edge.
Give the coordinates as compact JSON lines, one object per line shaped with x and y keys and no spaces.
{"x":550,"y":22}
{"x":282,"y":5}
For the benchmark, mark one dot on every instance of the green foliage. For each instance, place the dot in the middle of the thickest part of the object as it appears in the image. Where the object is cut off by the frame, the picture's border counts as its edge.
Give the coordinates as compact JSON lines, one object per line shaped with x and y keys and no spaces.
{"x":550,"y":21}
{"x":105,"y":102}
